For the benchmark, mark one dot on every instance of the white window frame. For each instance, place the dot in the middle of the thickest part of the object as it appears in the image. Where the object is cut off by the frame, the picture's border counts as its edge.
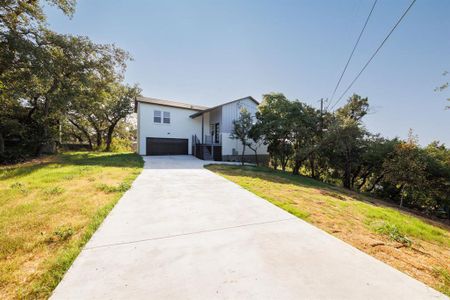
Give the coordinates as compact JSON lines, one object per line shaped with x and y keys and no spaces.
{"x":166,"y":116}
{"x":155,"y":115}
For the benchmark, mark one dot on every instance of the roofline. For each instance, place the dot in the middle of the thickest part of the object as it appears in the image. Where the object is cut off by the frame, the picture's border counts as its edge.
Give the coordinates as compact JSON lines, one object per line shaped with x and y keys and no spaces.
{"x":170,"y":103}
{"x":217,"y":106}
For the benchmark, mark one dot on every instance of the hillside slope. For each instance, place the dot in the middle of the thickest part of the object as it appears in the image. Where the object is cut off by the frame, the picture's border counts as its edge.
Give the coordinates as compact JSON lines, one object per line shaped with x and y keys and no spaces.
{"x":410,"y":244}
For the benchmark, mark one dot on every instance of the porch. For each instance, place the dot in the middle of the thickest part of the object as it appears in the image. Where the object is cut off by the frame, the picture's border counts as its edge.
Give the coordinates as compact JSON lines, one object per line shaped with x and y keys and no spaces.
{"x":209,"y":149}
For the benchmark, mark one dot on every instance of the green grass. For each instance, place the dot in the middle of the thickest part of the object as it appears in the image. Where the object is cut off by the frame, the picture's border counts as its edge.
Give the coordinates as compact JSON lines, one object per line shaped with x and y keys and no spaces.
{"x":444,"y":275}
{"x":49,"y":209}
{"x":406,"y":225}
{"x":413,"y":245}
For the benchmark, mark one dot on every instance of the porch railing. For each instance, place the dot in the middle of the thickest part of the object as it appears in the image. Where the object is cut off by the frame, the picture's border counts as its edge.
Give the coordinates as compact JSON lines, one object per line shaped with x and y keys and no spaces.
{"x":210,"y":149}
{"x":213,"y":140}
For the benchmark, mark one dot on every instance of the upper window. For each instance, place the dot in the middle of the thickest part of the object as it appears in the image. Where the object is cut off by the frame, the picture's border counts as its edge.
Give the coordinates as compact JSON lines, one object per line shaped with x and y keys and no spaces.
{"x":161,"y":117}
{"x":166,"y":117}
{"x":157,"y":116}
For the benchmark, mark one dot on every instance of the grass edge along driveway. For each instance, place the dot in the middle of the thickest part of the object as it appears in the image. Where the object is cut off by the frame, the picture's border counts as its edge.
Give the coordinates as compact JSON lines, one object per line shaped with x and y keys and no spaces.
{"x":49,"y":209}
{"x":414,"y":246}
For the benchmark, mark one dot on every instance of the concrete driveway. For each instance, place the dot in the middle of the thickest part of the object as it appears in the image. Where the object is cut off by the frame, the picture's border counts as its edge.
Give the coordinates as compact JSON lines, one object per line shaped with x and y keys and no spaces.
{"x":182,"y":232}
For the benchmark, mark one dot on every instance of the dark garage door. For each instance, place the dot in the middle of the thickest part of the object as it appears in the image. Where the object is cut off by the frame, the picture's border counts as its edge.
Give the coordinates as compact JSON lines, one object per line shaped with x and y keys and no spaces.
{"x":164,"y":146}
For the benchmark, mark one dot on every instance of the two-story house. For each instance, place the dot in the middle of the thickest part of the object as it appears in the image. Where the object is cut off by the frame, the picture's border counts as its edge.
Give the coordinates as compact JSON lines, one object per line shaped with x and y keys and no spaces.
{"x":174,"y":128}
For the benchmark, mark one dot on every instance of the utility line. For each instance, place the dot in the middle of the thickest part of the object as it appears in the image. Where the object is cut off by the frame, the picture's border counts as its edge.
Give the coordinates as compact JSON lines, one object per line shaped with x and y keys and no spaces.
{"x":353,"y":51}
{"x":375,"y":53}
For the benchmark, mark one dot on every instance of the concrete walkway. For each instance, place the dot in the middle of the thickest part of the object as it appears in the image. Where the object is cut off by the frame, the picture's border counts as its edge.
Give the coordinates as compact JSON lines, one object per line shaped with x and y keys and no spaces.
{"x":182,"y":232}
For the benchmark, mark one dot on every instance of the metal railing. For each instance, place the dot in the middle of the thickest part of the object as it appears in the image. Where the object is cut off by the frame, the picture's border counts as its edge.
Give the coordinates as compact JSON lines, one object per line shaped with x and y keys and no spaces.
{"x":205,"y":150}
{"x":213,"y":140}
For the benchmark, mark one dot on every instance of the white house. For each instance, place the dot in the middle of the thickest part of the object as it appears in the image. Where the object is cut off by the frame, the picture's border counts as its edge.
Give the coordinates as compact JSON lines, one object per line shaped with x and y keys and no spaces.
{"x":172,"y":128}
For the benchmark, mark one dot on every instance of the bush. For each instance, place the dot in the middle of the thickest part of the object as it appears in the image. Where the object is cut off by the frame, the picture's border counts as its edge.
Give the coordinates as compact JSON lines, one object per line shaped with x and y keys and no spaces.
{"x":393,"y":232}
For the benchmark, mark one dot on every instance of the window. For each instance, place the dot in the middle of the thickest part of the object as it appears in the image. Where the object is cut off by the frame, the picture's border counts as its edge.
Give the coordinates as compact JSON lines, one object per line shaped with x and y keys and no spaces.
{"x":157,"y":116}
{"x":166,"y":117}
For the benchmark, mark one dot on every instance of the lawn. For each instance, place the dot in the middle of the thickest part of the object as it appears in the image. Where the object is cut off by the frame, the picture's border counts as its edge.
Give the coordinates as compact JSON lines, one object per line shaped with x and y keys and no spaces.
{"x":49,"y":208}
{"x":413,"y":245}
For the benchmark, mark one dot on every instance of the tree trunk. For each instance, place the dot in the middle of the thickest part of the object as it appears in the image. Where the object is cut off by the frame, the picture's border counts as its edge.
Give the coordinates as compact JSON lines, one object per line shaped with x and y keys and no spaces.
{"x":256,"y":157}
{"x":354,"y":176}
{"x":2,"y":144}
{"x":284,"y":161}
{"x":84,"y":131}
{"x":98,"y":135}
{"x":78,"y":137}
{"x":401,"y":195}
{"x":47,"y":144}
{"x":98,"y":131}
{"x":274,"y":162}
{"x":313,"y":167}
{"x":109,"y":136}
{"x":243,"y":153}
{"x":296,"y":168}
{"x":375,"y":183}
{"x":364,"y":180}
{"x":347,"y":170}
{"x":347,"y":175}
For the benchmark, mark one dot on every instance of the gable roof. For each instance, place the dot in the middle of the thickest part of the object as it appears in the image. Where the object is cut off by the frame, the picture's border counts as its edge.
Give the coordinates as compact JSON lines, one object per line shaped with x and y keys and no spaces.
{"x":171,"y":103}
{"x":212,"y":108}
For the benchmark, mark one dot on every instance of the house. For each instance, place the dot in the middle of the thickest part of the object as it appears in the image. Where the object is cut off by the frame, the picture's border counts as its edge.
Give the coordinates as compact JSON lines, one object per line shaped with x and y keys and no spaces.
{"x":173,"y":128}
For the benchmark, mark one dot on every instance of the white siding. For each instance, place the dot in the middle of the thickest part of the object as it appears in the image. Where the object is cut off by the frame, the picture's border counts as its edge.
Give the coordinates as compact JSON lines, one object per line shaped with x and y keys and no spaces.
{"x":229,"y":144}
{"x":231,"y":112}
{"x":181,"y":125}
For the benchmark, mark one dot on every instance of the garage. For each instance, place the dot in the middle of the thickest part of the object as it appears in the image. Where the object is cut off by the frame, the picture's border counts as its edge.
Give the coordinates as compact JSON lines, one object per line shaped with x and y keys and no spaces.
{"x":166,"y":146}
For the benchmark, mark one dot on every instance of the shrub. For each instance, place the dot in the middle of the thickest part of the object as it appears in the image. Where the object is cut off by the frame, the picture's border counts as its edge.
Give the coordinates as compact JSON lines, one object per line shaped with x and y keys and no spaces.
{"x":393,"y":232}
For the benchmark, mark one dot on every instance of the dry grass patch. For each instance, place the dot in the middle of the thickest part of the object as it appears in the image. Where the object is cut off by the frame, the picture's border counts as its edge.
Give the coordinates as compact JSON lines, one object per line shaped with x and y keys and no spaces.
{"x":49,"y":209}
{"x":415,"y":246}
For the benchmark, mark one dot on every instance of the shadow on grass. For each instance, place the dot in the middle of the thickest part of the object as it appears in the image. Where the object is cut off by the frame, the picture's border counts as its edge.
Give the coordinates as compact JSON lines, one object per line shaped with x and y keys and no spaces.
{"x":21,"y":170}
{"x":120,"y":160}
{"x":282,"y":177}
{"x":275,"y":176}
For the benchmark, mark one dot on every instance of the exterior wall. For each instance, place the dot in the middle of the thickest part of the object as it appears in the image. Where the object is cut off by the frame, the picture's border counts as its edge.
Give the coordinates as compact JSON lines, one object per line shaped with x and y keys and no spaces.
{"x":206,"y":122}
{"x":263,"y":159}
{"x":231,"y":112}
{"x":181,"y":125}
{"x":228,"y":144}
{"x":215,"y":116}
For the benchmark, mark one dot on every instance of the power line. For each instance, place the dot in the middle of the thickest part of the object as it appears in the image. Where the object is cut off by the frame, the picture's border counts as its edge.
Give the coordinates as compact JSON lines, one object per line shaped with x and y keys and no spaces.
{"x":353,"y":51}
{"x":375,"y":53}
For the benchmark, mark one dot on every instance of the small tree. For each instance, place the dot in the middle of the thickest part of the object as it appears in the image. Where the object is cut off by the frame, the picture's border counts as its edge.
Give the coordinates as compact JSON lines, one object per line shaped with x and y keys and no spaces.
{"x":256,"y":140}
{"x":241,"y":130}
{"x":276,"y":127}
{"x":406,"y":169}
{"x":118,"y":107}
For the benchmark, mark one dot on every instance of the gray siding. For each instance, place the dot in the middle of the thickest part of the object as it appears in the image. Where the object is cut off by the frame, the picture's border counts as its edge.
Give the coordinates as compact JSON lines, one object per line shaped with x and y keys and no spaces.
{"x":231,"y":112}
{"x":215,"y":116}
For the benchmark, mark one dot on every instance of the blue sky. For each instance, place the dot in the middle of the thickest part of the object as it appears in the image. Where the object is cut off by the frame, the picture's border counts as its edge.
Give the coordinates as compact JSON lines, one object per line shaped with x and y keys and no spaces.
{"x":208,"y":52}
